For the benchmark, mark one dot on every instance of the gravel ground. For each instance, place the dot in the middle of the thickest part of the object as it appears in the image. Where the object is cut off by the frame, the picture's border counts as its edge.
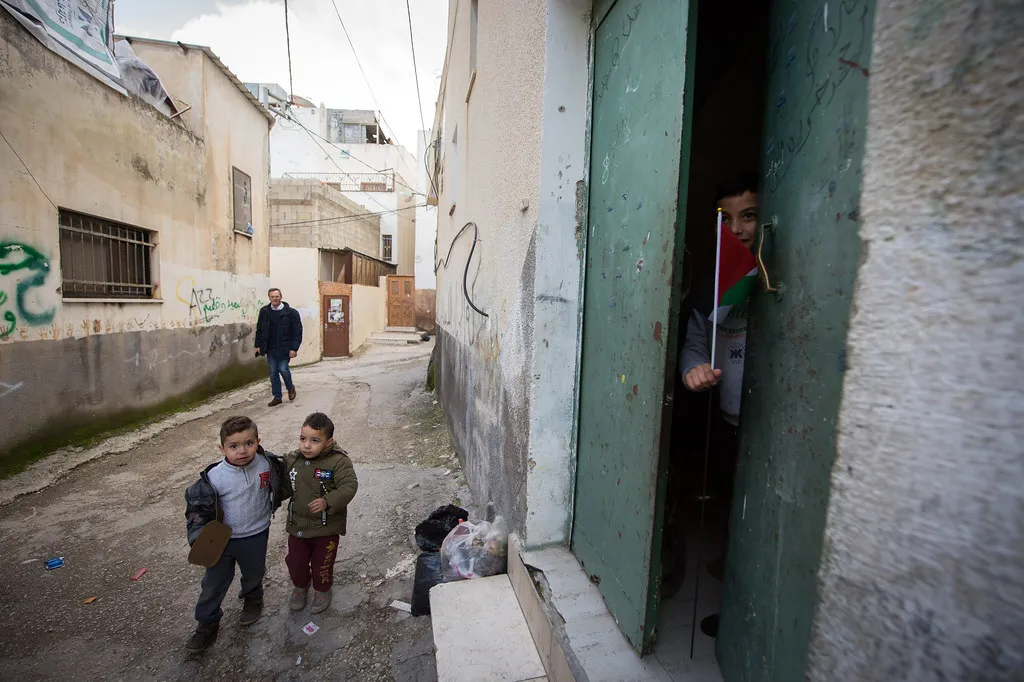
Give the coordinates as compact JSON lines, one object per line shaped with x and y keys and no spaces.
{"x":123,"y":510}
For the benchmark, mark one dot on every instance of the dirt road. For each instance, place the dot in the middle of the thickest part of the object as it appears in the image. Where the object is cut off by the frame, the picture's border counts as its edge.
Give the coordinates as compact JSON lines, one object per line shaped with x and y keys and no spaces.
{"x":122,"y":512}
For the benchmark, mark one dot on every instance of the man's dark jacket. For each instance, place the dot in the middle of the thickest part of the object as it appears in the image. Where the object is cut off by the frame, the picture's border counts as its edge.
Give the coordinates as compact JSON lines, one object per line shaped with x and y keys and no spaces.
{"x":289,"y":332}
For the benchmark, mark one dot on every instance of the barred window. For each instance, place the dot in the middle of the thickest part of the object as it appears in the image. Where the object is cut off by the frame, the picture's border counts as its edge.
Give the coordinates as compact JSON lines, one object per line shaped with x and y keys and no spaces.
{"x":386,"y":250}
{"x":103,"y":259}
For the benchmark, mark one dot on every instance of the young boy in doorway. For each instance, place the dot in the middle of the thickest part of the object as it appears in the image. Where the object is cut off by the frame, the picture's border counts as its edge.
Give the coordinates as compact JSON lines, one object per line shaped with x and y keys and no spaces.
{"x":321,"y":482}
{"x":242,"y":490}
{"x":737,"y":197}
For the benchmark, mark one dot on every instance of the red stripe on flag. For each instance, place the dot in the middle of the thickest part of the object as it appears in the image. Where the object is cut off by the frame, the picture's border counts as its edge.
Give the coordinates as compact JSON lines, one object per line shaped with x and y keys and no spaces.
{"x":736,"y":262}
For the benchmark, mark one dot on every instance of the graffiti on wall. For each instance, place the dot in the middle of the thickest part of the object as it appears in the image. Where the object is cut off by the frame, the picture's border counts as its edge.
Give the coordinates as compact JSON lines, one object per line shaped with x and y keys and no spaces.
{"x":206,"y":306}
{"x":23,"y":271}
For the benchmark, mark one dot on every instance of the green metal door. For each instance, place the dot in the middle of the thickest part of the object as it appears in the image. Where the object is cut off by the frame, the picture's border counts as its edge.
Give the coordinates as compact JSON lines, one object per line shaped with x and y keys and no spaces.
{"x":815,"y":123}
{"x":638,"y":158}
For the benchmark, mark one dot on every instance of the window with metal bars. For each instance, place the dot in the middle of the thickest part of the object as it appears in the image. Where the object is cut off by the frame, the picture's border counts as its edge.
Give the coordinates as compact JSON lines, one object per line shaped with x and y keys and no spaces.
{"x":103,"y":259}
{"x":386,"y":250}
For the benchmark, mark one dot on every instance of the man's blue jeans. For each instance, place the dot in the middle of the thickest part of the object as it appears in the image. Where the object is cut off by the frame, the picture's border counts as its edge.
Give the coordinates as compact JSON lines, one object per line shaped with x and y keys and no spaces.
{"x":278,"y":369}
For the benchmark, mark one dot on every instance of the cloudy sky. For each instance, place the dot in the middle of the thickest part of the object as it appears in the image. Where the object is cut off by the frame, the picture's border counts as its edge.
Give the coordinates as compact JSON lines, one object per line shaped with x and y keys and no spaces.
{"x":249,"y":36}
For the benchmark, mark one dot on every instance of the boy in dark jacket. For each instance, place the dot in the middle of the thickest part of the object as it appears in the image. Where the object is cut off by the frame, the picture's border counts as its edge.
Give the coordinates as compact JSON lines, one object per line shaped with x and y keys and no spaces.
{"x":243,"y":490}
{"x":321,"y":482}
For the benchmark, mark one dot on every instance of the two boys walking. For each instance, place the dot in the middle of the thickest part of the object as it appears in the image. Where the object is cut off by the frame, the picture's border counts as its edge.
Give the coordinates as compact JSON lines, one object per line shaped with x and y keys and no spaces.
{"x":243,"y":491}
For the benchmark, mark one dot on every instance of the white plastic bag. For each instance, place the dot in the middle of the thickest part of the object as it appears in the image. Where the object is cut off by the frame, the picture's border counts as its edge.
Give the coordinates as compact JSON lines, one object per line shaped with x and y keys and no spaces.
{"x":475,"y":549}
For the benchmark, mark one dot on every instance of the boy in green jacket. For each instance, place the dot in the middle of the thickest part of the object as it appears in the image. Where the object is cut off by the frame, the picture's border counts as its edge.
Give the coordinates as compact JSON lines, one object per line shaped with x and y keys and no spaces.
{"x":321,"y":481}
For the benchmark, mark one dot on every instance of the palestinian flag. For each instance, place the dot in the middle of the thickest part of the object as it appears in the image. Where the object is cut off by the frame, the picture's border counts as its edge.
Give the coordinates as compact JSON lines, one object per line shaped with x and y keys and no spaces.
{"x":737,"y":273}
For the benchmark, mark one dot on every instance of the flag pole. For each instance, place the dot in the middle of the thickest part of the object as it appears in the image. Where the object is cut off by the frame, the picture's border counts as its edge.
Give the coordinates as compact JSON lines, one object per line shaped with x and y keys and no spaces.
{"x":718,"y":270}
{"x":707,"y":441}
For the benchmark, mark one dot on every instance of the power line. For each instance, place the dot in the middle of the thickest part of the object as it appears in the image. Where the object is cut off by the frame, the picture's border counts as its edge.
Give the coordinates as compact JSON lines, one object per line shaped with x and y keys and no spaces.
{"x":27,"y":170}
{"x":347,"y":218}
{"x":331,"y":158}
{"x":359,"y":64}
{"x":352,"y":156}
{"x":288,"y":42}
{"x":415,"y":71}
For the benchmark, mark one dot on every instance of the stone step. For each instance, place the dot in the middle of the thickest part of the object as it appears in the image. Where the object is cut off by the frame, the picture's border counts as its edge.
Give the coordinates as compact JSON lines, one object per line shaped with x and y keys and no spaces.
{"x":480,"y":633}
{"x":394,"y":339}
{"x":404,"y":330}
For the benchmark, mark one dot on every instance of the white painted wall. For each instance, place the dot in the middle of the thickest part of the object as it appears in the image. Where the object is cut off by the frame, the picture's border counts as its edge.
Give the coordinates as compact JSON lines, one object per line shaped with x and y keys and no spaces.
{"x":295,"y":274}
{"x":369,"y":313}
{"x":512,"y":171}
{"x":293,"y":150}
{"x":426,"y":221}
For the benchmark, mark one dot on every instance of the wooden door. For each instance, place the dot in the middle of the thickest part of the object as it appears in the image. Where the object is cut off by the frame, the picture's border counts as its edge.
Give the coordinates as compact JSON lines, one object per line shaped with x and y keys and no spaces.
{"x":335,"y":314}
{"x":401,"y":301}
{"x":815,"y":124}
{"x":638,"y":159}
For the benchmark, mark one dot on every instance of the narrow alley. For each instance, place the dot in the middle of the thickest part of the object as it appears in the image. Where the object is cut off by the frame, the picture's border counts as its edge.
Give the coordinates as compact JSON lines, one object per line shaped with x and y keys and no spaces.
{"x":122,"y":512}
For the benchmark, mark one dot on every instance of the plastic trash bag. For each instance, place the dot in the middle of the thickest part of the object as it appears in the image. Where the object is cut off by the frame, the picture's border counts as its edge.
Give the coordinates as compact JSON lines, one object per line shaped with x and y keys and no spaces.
{"x":428,"y":574}
{"x":432,"y":532}
{"x":475,"y":549}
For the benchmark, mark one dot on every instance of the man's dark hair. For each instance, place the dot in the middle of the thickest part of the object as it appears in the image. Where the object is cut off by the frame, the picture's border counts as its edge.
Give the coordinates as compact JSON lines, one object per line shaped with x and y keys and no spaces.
{"x":233,"y":425}
{"x":735,"y":185}
{"x":318,"y":421}
{"x":272,"y":290}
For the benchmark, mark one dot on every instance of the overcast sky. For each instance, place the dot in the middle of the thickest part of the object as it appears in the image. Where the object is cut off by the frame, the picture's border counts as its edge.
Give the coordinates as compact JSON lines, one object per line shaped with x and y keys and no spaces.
{"x":249,"y":36}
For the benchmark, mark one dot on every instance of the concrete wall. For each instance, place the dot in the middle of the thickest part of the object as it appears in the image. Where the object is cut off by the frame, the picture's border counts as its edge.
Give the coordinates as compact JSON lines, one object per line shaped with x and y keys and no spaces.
{"x":296,"y":204}
{"x":369,"y":314}
{"x":525,"y":271}
{"x":294,"y":272}
{"x":95,"y":151}
{"x":426,"y":309}
{"x":426,"y":221}
{"x":924,"y":561}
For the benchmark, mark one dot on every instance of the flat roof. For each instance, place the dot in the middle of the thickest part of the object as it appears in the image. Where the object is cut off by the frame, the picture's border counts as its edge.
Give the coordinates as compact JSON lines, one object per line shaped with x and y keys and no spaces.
{"x":216,"y":60}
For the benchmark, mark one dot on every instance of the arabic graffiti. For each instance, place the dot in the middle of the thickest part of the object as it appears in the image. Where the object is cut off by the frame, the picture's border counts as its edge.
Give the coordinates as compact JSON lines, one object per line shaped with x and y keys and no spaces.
{"x":204,"y":306}
{"x":25,"y":270}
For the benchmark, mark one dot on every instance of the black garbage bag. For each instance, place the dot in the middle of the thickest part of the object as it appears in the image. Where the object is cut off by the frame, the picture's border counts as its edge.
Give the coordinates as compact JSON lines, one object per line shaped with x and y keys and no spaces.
{"x":428,"y":574}
{"x":432,"y":532}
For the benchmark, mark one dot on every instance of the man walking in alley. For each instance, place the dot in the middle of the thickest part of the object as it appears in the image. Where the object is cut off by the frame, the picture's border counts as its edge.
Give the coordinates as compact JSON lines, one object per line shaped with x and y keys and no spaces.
{"x":278,"y":336}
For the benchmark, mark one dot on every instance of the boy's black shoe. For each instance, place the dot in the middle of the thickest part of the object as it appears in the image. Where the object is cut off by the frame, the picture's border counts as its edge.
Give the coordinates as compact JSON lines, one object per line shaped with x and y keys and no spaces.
{"x":205,"y":635}
{"x":274,"y":403}
{"x":251,"y":611}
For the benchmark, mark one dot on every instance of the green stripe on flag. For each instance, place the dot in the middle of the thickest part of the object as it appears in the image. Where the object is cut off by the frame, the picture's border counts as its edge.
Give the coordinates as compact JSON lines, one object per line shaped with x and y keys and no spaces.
{"x":740,"y":291}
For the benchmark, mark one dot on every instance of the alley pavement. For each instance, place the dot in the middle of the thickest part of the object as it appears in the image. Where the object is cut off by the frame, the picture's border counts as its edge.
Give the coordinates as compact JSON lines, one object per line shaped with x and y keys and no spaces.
{"x":124,"y":511}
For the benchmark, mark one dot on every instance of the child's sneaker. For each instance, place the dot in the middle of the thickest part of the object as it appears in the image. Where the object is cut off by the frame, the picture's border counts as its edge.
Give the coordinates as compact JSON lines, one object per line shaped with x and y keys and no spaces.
{"x":321,"y":600}
{"x":297,"y":602}
{"x":203,"y":637}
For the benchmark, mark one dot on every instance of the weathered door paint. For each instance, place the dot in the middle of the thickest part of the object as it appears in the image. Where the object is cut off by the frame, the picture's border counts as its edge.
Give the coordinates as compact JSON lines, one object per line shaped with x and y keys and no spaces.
{"x":401,"y":301}
{"x":815,"y":123}
{"x":638,"y":162}
{"x":335,"y":314}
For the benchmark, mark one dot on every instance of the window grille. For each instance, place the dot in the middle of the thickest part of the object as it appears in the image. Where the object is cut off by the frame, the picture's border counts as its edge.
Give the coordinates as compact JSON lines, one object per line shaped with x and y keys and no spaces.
{"x":104,"y":259}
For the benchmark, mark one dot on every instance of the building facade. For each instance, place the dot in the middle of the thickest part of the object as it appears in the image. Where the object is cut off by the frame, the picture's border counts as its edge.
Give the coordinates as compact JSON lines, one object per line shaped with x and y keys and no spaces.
{"x":320,"y":241}
{"x":135,"y":248}
{"x":349,"y":150}
{"x":874,"y":528}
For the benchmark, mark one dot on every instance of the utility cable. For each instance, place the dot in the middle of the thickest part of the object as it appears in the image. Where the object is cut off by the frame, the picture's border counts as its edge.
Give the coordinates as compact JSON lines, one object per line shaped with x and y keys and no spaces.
{"x":346,"y":218}
{"x":356,"y":158}
{"x":359,"y":64}
{"x":288,"y":42}
{"x":415,"y":71}
{"x":465,"y":274}
{"x":27,"y":170}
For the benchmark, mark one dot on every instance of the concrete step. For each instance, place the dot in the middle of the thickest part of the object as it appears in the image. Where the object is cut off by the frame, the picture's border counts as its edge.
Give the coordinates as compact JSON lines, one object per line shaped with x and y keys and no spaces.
{"x":480,"y":633}
{"x":386,"y":338}
{"x":404,"y":330}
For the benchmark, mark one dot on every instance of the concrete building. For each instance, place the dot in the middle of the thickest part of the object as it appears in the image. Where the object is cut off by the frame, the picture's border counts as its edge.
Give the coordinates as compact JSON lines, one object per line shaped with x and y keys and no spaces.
{"x":135,"y":248}
{"x":349,"y":149}
{"x":873,"y":531}
{"x":319,"y":241}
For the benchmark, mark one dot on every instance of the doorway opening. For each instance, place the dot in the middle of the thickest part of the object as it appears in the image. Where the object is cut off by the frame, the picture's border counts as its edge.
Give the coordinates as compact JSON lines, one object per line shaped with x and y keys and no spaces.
{"x":728,"y":110}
